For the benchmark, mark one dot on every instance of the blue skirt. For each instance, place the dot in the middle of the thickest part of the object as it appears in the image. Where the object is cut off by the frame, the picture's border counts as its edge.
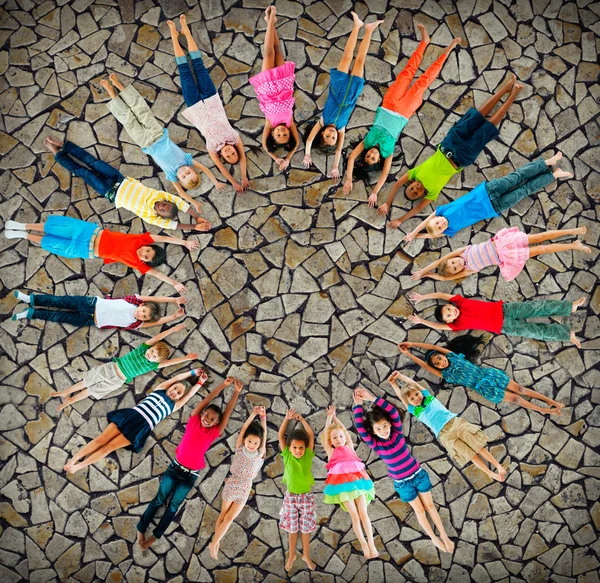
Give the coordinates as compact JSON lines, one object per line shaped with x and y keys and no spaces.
{"x":132,"y":425}
{"x":344,"y":91}
{"x":492,"y":385}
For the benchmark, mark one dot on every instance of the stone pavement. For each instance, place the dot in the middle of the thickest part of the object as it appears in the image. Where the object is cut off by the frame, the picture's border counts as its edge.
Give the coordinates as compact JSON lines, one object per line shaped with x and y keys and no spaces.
{"x":298,"y":291}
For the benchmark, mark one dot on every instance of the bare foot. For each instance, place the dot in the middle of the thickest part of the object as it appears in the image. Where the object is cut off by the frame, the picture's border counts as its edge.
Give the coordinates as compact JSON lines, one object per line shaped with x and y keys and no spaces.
{"x":394,"y":224}
{"x":372,"y":25}
{"x":140,"y":538}
{"x":554,"y":159}
{"x":374,"y":552}
{"x":580,"y":230}
{"x":185,"y":29}
{"x":438,"y":543}
{"x":512,"y":78}
{"x":558,"y":173}
{"x":577,"y":304}
{"x":71,"y":468}
{"x":148,"y":543}
{"x":116,"y":82}
{"x":172,"y":28}
{"x":516,"y":88}
{"x":292,"y":556}
{"x":214,"y":550}
{"x":578,"y":245}
{"x":51,"y":145}
{"x":424,"y":34}
{"x":365,"y":549}
{"x":309,"y":562}
{"x":357,"y":21}
{"x":454,"y":42}
{"x":448,"y":544}
{"x":554,"y":411}
{"x":574,"y":340}
{"x":498,"y":477}
{"x":64,"y":405}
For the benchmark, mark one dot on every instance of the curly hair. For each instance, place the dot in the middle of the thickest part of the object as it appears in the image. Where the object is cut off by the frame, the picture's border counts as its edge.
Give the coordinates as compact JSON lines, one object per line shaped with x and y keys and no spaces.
{"x":298,"y":435}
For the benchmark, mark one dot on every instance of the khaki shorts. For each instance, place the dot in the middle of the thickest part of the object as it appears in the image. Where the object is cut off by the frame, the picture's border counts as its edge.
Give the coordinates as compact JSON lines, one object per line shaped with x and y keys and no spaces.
{"x":102,"y":380}
{"x":462,"y":439}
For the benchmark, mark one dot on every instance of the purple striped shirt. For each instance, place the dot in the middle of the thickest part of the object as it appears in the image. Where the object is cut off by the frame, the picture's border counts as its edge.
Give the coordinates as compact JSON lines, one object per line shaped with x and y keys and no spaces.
{"x":481,"y":255}
{"x":394,"y":450}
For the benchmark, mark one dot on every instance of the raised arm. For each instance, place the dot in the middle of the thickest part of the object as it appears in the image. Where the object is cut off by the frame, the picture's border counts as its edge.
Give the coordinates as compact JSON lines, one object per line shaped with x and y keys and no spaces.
{"x":384,"y":209}
{"x":238,"y":386}
{"x":183,"y":194}
{"x":427,"y":346}
{"x":309,"y":431}
{"x":218,"y":185}
{"x":385,"y":172}
{"x":175,"y":241}
{"x":335,"y":170}
{"x":281,"y":433}
{"x":197,"y":372}
{"x":359,"y":419}
{"x":350,"y":166}
{"x":179,"y":287}
{"x":164,"y":334}
{"x":179,"y":360}
{"x":404,"y":349}
{"x":309,"y":142}
{"x":412,"y":235}
{"x":201,"y":379}
{"x":243,"y":164}
{"x":263,"y":424}
{"x":416,"y":297}
{"x":179,"y":300}
{"x":240,"y":439}
{"x":416,"y":319}
{"x":398,"y":376}
{"x":211,"y":396}
{"x":419,"y":274}
{"x":328,"y":421}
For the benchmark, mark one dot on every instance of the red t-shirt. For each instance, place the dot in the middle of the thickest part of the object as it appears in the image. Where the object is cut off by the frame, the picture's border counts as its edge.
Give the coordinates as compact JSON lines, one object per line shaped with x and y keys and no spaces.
{"x":195,"y":443}
{"x":477,"y":315}
{"x":122,"y":248}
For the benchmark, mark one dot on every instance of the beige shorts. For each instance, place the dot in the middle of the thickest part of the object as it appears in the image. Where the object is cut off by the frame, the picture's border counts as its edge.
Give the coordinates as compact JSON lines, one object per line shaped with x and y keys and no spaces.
{"x":102,"y":380}
{"x":462,"y":439}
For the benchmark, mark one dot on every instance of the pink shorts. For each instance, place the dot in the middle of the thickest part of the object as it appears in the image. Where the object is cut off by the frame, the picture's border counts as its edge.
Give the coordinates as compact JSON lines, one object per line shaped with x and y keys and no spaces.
{"x":298,"y":513}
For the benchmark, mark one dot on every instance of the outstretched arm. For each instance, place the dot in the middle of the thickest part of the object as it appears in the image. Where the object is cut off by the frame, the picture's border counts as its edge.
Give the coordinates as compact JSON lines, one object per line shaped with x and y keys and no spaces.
{"x":202,"y":377}
{"x":422,"y":272}
{"x":211,"y":396}
{"x":183,"y":194}
{"x":179,"y":360}
{"x":335,"y":170}
{"x":384,"y":174}
{"x":211,"y":176}
{"x":296,"y":135}
{"x":405,"y":349}
{"x":265,"y":135}
{"x":416,"y":319}
{"x":240,"y":439}
{"x":427,"y":346}
{"x":309,"y":431}
{"x":416,"y":297}
{"x":309,"y":142}
{"x":384,"y":209}
{"x":281,"y":433}
{"x":359,"y":419}
{"x":175,"y":241}
{"x":330,"y":417}
{"x":243,"y":163}
{"x":230,"y":406}
{"x":419,"y":228}
{"x":165,"y":299}
{"x":179,"y":287}
{"x":164,"y":334}
{"x":350,"y":166}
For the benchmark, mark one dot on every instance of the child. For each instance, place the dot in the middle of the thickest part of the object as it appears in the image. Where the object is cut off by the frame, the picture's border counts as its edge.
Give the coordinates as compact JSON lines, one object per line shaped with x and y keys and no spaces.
{"x":347,"y":483}
{"x":488,"y":199}
{"x":100,"y":381}
{"x":73,"y":238}
{"x":511,"y":318}
{"x":131,"y":109}
{"x":463,"y":441}
{"x":399,"y":104}
{"x":344,"y":91}
{"x":205,"y":109}
{"x":129,"y":312}
{"x":463,"y":143}
{"x":206,"y":424}
{"x":250,"y":451}
{"x":381,"y":429}
{"x":155,"y":207}
{"x":509,"y":248}
{"x":298,"y":510}
{"x":274,"y":87}
{"x":129,"y":428}
{"x":491,"y":383}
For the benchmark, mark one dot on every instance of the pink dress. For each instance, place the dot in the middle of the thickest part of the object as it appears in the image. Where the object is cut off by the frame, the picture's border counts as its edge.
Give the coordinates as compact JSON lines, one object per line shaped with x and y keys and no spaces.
{"x":275,"y":91}
{"x":509,"y":249}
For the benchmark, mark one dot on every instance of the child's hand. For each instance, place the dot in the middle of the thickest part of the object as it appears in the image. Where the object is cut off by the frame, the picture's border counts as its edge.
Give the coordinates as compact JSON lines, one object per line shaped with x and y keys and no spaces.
{"x":197,"y":206}
{"x":372,"y":199}
{"x":201,"y":375}
{"x":366,"y":395}
{"x":220,"y":185}
{"x":238,"y":187}
{"x":179,"y":287}
{"x":331,"y":411}
{"x":393,"y":378}
{"x":383,"y":210}
{"x":191,"y":356}
{"x":245,"y":183}
{"x":410,"y":237}
{"x":203,"y":225}
{"x":357,"y":398}
{"x":307,"y":161}
{"x":180,"y":313}
{"x":229,"y":381}
{"x":291,"y":414}
{"x":404,"y":347}
{"x":283,"y":164}
{"x":192,"y":245}
{"x":335,"y":175}
{"x":415,"y":319}
{"x":260,"y":411}
{"x":180,"y":301}
{"x":417,"y":275}
{"x":238,"y":386}
{"x":179,"y":327}
{"x":415,"y":297}
{"x":347,"y":187}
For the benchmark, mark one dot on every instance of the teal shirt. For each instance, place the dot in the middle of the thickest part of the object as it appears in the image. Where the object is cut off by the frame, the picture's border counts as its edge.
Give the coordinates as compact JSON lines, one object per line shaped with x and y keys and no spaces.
{"x":431,"y":412}
{"x":387,"y":127}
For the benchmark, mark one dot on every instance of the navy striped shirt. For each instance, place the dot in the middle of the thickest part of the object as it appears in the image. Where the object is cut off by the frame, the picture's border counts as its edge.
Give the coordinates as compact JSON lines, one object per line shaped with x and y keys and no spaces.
{"x":155,"y":407}
{"x":394,"y":450}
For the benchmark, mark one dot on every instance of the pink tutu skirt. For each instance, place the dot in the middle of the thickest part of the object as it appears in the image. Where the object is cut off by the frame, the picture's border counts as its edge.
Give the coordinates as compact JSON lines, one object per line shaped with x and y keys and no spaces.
{"x":512,"y":246}
{"x":275,"y":91}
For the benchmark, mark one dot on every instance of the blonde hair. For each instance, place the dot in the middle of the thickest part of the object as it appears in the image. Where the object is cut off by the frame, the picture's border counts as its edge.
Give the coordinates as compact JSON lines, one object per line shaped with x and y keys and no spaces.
{"x":408,"y":389}
{"x":162,"y":350}
{"x":325,"y":437}
{"x":443,"y":268}
{"x":191,"y":183}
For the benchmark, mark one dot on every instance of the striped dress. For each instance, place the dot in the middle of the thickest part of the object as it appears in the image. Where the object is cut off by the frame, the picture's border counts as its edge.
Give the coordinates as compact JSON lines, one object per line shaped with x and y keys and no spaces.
{"x":137,"y":423}
{"x":394,"y":450}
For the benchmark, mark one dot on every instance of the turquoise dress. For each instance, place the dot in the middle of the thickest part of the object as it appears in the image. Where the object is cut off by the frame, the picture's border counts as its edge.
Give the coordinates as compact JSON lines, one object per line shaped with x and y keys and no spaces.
{"x":386,"y":130}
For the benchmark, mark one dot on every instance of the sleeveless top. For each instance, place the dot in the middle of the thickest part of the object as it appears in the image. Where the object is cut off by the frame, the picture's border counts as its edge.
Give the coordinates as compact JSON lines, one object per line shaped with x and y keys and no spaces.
{"x":155,"y":407}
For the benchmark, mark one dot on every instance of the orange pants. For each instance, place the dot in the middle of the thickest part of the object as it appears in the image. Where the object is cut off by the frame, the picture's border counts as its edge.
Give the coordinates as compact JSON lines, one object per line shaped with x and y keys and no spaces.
{"x":399,"y":97}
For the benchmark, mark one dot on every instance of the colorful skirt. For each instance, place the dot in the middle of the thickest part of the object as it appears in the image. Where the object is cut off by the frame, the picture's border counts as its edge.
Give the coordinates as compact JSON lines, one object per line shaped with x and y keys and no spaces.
{"x":275,"y":91}
{"x":340,"y":488}
{"x":512,"y":246}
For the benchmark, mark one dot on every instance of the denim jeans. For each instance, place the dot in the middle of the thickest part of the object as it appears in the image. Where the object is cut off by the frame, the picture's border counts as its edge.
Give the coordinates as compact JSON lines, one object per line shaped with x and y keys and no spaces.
{"x":200,"y":88}
{"x":507,"y":191}
{"x":175,"y":481}
{"x":409,"y":489}
{"x":82,"y":314}
{"x":99,"y":176}
{"x":517,"y":313}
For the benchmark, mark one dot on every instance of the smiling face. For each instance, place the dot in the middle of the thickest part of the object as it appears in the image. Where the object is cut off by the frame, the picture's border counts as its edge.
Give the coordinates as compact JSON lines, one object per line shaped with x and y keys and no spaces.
{"x":439,"y":361}
{"x":414,"y":190}
{"x":297,"y":448}
{"x":188,"y":177}
{"x":165,"y":209}
{"x":450,"y":313}
{"x":437,"y":225}
{"x":372,"y":156}
{"x":176,"y":391}
{"x":329,"y":136}
{"x":152,"y":354}
{"x":415,"y":398}
{"x":209,"y":418}
{"x":382,"y":428}
{"x":229,"y":154}
{"x":454,"y":265}
{"x":146,"y":253}
{"x":142,"y":313}
{"x":337,"y":438}
{"x":281,"y":134}
{"x":252,"y":442}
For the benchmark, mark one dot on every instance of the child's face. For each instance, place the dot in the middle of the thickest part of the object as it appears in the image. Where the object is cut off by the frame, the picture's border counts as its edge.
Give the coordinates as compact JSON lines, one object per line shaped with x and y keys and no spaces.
{"x":372,"y":156}
{"x":176,"y":391}
{"x":281,"y":134}
{"x":437,"y":225}
{"x":455,"y":265}
{"x":439,"y":361}
{"x":415,"y":398}
{"x":330,"y":136}
{"x":337,"y":438}
{"x":164,"y":209}
{"x":230,"y":154}
{"x":382,"y":429}
{"x":414,"y":190}
{"x":142,"y":313}
{"x":252,"y":442}
{"x":152,"y":354}
{"x":297,"y":448}
{"x":146,"y":253}
{"x":450,"y":313}
{"x":188,"y":177}
{"x":209,"y":418}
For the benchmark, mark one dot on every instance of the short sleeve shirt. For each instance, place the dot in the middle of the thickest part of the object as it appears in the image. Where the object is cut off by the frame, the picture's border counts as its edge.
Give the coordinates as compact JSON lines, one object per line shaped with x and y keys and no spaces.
{"x":477,"y":315}
{"x":297,"y":473}
{"x":195,"y":443}
{"x":122,"y":248}
{"x":431,"y":412}
{"x":433,"y":174}
{"x":135,"y":363}
{"x":169,"y":156}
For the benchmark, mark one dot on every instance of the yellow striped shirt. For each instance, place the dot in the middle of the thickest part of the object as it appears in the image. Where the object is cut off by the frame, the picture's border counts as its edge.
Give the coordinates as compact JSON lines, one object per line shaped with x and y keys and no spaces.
{"x":139,"y":199}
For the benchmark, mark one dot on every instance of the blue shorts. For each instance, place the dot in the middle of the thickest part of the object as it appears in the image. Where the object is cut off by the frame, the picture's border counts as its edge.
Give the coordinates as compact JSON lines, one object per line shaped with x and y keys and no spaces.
{"x":467,"y":137}
{"x":69,"y":237}
{"x":409,"y":489}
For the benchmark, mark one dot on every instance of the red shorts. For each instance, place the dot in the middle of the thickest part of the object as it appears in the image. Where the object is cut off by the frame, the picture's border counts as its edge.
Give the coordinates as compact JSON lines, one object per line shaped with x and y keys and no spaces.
{"x":298,"y":513}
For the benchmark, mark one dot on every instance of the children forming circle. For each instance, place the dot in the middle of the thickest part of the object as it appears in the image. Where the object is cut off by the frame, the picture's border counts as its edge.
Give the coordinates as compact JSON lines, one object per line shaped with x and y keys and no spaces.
{"x":380,"y":425}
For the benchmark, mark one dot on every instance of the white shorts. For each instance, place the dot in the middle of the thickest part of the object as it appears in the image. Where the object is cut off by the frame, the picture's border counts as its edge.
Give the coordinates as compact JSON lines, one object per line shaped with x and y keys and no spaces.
{"x":102,"y":380}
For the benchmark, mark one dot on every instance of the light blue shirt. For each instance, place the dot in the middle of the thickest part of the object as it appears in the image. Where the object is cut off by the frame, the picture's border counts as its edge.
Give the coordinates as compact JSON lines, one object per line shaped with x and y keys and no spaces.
{"x":432,"y":413}
{"x":169,"y":156}
{"x":467,"y":210}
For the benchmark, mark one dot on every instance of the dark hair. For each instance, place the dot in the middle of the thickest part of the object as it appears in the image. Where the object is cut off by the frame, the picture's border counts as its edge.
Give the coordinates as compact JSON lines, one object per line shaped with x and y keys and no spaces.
{"x":318,"y":142}
{"x":467,"y":344}
{"x":298,"y":435}
{"x":438,"y":313}
{"x":361,"y":169}
{"x":173,"y":213}
{"x":272,"y":145}
{"x":154,"y":311}
{"x":254,"y":429}
{"x":375,"y":415}
{"x":214,"y":408}
{"x":160,"y":256}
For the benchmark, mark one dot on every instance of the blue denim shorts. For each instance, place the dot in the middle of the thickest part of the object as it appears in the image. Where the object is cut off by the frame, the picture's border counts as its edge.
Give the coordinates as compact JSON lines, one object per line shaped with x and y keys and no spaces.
{"x":409,"y":489}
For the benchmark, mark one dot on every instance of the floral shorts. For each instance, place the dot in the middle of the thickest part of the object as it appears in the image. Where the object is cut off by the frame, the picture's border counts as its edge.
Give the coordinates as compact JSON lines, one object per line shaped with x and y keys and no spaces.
{"x":298,"y":513}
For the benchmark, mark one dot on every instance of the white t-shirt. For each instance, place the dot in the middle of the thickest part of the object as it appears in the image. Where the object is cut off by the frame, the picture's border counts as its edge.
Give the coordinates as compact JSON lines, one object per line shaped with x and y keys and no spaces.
{"x":114,"y":313}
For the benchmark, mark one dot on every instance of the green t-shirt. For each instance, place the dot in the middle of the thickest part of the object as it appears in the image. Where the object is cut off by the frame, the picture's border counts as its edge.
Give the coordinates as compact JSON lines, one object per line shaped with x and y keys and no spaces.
{"x":297,"y":473}
{"x":433,"y":174}
{"x":135,"y":363}
{"x":385,"y":131}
